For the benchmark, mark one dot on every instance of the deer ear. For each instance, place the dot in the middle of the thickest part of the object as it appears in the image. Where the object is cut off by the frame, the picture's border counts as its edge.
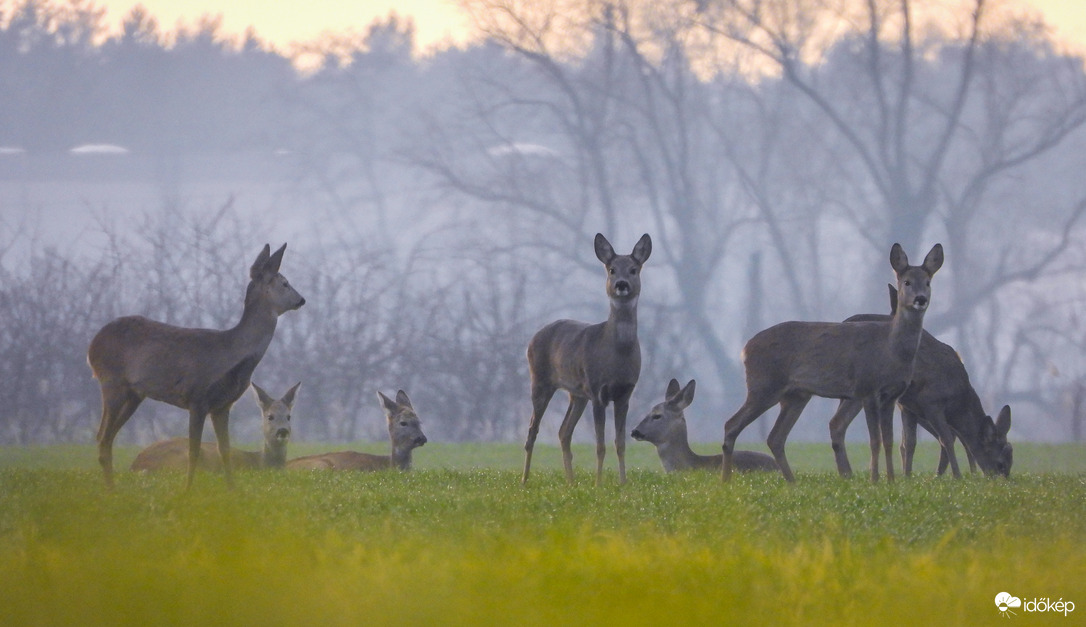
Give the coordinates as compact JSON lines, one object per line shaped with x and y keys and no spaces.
{"x":275,"y":260}
{"x":934,"y":260}
{"x":899,"y":261}
{"x":688,"y":394}
{"x":257,"y":268}
{"x":642,"y":249}
{"x":1003,"y":421}
{"x":401,"y":399}
{"x":288,"y":398}
{"x":893,"y":298}
{"x":604,"y":252}
{"x":672,"y":389}
{"x":262,"y":397}
{"x":386,"y":402}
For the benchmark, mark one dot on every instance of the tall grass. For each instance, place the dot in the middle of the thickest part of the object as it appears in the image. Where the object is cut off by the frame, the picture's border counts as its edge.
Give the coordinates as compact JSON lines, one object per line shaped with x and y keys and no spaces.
{"x":467,"y":544}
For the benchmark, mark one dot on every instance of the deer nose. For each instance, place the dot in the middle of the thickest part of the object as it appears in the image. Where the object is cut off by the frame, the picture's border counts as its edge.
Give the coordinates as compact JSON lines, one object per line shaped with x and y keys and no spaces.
{"x":301,"y":301}
{"x":622,"y":287}
{"x":637,"y":435}
{"x":419,"y":441}
{"x":282,"y":434}
{"x":920,"y":302}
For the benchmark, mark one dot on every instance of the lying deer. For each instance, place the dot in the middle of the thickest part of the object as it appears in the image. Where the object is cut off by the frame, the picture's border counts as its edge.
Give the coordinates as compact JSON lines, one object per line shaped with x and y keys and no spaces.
{"x":790,"y":362}
{"x":940,"y":399}
{"x":665,"y":427}
{"x":202,"y":370}
{"x":404,"y":431}
{"x":174,"y":453}
{"x":592,"y":362}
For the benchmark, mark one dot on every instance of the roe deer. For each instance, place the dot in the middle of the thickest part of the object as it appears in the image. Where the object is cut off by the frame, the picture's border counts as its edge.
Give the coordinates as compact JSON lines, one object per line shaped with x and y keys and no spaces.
{"x":592,"y":362}
{"x":404,"y":431}
{"x":790,"y":362}
{"x":940,"y":399}
{"x":202,"y":370}
{"x":665,"y":427}
{"x":174,"y":453}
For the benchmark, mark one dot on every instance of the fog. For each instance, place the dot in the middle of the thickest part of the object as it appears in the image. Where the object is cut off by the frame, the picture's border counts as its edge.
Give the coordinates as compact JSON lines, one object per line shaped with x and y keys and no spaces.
{"x":438,"y":210}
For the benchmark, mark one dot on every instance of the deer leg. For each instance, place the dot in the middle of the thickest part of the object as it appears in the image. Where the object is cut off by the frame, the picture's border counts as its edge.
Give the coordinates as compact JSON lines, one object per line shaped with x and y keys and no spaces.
{"x":754,"y":406}
{"x":972,"y":460}
{"x":885,"y":407}
{"x":118,"y":405}
{"x":908,"y":440}
{"x":565,"y":432}
{"x":871,"y":417}
{"x":938,"y":426}
{"x":621,"y":408}
{"x":791,"y":407}
{"x":541,"y":397}
{"x":197,"y":415}
{"x":842,"y":418}
{"x":220,"y":421}
{"x":599,"y":422}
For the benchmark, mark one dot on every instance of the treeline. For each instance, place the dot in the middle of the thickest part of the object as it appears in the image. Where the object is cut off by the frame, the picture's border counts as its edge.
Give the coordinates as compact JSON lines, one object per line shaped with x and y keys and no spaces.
{"x":774,"y":158}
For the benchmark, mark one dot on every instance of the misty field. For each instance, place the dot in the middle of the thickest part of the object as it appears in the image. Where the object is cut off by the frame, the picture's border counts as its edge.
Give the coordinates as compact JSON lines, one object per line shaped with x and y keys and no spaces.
{"x":460,"y":541}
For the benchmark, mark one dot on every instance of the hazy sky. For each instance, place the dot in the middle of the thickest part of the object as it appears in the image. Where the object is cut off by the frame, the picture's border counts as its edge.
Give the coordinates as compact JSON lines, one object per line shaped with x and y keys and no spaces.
{"x":283,"y":22}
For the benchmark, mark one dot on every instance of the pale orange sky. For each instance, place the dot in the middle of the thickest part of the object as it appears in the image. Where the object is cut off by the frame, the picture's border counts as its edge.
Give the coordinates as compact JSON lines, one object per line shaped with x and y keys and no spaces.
{"x":283,"y":22}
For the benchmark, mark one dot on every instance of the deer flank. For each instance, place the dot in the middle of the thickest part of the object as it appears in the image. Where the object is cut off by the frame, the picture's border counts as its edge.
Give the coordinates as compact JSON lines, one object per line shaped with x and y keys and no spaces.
{"x":275,"y":417}
{"x":404,"y":432}
{"x":793,"y":361}
{"x":665,"y":428}
{"x":597,"y":363}
{"x":202,"y":370}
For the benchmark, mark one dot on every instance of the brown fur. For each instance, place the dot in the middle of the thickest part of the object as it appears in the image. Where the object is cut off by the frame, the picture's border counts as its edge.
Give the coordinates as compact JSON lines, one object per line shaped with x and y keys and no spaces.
{"x":793,"y":361}
{"x":202,"y":370}
{"x":597,"y":363}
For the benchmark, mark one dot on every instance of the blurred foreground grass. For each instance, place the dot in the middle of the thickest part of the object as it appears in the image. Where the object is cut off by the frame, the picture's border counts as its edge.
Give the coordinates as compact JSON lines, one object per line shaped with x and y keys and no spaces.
{"x":460,"y":541}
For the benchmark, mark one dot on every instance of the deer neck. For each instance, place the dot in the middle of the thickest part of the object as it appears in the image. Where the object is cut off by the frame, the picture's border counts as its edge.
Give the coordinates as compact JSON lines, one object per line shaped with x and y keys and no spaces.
{"x":677,"y":456}
{"x":906,"y":328}
{"x":401,"y":458}
{"x":274,"y":455}
{"x":621,"y":325}
{"x":253,"y":333}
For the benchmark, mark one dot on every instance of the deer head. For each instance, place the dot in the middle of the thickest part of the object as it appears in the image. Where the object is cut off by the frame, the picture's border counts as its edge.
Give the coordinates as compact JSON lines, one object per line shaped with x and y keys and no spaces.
{"x":666,"y":422}
{"x":623,"y":271}
{"x":267,"y":285}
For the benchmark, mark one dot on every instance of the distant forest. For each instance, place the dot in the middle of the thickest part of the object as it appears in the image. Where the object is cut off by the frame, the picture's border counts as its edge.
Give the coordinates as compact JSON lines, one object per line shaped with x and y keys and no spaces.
{"x":774,"y":157}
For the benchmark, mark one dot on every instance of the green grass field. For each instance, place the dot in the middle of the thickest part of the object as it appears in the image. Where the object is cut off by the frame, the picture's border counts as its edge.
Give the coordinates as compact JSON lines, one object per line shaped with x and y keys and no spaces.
{"x":460,"y":541}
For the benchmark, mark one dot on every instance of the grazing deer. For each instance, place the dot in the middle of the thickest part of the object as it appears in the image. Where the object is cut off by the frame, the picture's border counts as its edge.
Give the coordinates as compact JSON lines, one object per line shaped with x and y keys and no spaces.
{"x":940,"y":399}
{"x":202,"y":370}
{"x":790,"y":362}
{"x":592,"y":362}
{"x":275,"y":414}
{"x":665,"y":427}
{"x":404,"y":432}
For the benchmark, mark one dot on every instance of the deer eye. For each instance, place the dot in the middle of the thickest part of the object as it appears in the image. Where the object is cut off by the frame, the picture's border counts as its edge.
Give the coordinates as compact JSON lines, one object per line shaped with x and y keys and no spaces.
{"x":634,"y":271}
{"x":656,"y":416}
{"x":403,"y":423}
{"x":611,"y":271}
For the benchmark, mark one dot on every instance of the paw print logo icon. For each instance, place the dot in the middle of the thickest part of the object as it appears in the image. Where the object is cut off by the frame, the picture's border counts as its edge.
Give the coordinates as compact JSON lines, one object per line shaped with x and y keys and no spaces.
{"x":1004,"y":602}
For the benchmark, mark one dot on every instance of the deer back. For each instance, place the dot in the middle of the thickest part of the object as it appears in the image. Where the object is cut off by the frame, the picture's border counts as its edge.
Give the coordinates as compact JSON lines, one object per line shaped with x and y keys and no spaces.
{"x":202,"y":367}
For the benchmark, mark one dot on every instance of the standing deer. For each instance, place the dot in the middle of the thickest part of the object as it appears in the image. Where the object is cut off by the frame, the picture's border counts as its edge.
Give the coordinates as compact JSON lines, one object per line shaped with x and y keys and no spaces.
{"x":202,"y":370}
{"x":404,"y":432}
{"x":592,"y":362}
{"x":790,"y":362}
{"x":275,"y":414}
{"x":665,"y":427}
{"x":940,"y":399}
